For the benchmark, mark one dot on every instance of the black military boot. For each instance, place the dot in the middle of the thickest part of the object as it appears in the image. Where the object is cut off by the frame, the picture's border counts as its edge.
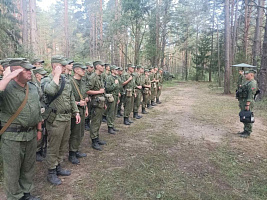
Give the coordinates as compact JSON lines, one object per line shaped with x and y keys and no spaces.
{"x":73,"y":159}
{"x":100,"y":142}
{"x":87,"y":124}
{"x":245,"y":134}
{"x":130,"y":121}
{"x":28,"y":196}
{"x":136,"y":116}
{"x":62,"y":172}
{"x":53,"y":178}
{"x":95,"y":145}
{"x":126,"y":121}
{"x":149,"y":106}
{"x":114,"y":129}
{"x":144,"y":111}
{"x":104,"y":118}
{"x":119,"y":115}
{"x":111,"y":131}
{"x":39,"y":156}
{"x":80,"y":154}
{"x":157,"y":101}
{"x":153,"y":103}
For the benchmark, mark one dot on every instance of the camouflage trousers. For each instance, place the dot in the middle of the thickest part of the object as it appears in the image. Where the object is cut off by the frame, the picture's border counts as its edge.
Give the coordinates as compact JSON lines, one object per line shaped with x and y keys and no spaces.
{"x":111,"y":111}
{"x":137,"y":100}
{"x":77,"y":132}
{"x":96,"y":120}
{"x":242,"y":104}
{"x":128,"y":105}
{"x":153,"y":92}
{"x":122,"y":97}
{"x":58,"y":141}
{"x":159,"y":91}
{"x":146,"y":98}
{"x":18,"y":165}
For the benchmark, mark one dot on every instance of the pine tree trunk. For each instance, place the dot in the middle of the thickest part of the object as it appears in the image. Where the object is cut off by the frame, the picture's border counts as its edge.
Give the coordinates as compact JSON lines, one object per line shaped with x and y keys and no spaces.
{"x":33,"y":26}
{"x":66,"y":28}
{"x":227,"y":49}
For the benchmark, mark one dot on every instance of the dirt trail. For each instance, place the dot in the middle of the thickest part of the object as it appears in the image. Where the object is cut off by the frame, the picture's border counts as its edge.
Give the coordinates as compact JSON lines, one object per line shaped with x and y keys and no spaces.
{"x":179,"y":114}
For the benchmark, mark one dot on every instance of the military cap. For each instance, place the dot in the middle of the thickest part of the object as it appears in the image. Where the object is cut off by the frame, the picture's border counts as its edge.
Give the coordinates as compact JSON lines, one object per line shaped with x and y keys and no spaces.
{"x":39,"y":71}
{"x":59,"y":59}
{"x":106,"y":64}
{"x":70,"y":61}
{"x":160,"y":69}
{"x":89,"y":64}
{"x":150,"y":68}
{"x":253,"y":71}
{"x":37,"y":60}
{"x":112,"y":67}
{"x":138,"y":66}
{"x":146,"y":70}
{"x":120,"y":68}
{"x":130,"y":65}
{"x":80,"y":65}
{"x":98,"y":63}
{"x":23,"y":63}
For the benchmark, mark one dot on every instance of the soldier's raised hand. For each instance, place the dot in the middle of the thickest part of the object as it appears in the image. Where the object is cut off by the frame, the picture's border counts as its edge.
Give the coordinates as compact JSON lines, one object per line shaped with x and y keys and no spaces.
{"x":58,"y":70}
{"x":11,"y":75}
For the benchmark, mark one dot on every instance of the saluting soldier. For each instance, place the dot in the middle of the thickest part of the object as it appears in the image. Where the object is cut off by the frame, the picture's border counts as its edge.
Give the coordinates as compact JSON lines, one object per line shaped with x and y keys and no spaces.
{"x":79,"y":88}
{"x":138,"y":91}
{"x":38,"y":63}
{"x":19,"y":139}
{"x":62,"y":106}
{"x":129,"y":86}
{"x":146,"y":90}
{"x":89,"y":72}
{"x":113,"y":90}
{"x":246,"y":102}
{"x":96,"y":92}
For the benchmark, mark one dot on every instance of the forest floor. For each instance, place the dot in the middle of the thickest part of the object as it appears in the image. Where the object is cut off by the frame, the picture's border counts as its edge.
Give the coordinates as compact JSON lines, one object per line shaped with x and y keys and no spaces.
{"x":187,"y":148}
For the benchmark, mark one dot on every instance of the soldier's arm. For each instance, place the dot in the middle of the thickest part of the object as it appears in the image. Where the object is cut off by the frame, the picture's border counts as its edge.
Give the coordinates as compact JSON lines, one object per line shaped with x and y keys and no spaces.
{"x":49,"y":87}
{"x":73,"y":104}
{"x":111,"y":86}
{"x":8,"y":78}
{"x":90,"y":86}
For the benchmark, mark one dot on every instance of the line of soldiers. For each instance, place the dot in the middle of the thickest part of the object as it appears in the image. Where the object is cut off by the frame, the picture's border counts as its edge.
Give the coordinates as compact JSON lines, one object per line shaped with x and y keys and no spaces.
{"x":59,"y":107}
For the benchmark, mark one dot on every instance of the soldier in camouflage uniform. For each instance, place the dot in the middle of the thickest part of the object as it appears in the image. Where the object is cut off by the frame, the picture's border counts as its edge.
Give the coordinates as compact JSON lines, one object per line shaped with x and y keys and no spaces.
{"x":104,"y":76}
{"x":89,"y":72}
{"x":153,"y":87}
{"x":39,"y":74}
{"x":96,"y":92}
{"x":58,"y":122}
{"x":159,"y":85}
{"x":146,"y":90}
{"x":122,"y":93}
{"x":112,"y":88}
{"x":38,"y":63}
{"x":79,"y":88}
{"x":128,"y":80}
{"x":138,"y":91}
{"x":250,"y":88}
{"x":19,"y":141}
{"x":241,"y":79}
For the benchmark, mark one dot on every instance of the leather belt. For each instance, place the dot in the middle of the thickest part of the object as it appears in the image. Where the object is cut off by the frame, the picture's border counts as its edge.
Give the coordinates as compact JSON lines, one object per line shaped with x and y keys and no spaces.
{"x":19,"y":129}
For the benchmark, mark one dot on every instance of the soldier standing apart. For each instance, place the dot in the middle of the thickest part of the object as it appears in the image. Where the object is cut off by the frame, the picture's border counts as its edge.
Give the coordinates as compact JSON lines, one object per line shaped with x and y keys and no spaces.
{"x":122,"y":93}
{"x":129,"y":85}
{"x":79,"y":89}
{"x":62,"y":106}
{"x":112,"y":95}
{"x":153,"y":87}
{"x":89,"y":71}
{"x":19,"y":140}
{"x":160,"y":83}
{"x":247,"y":102}
{"x":138,"y":89}
{"x":241,"y":79}
{"x":146,"y":90}
{"x":96,"y":92}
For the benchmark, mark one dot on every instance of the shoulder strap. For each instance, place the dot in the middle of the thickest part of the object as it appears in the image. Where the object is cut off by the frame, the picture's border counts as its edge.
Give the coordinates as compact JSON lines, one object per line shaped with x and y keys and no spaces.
{"x":13,"y":117}
{"x":60,"y":90}
{"x":77,"y":88}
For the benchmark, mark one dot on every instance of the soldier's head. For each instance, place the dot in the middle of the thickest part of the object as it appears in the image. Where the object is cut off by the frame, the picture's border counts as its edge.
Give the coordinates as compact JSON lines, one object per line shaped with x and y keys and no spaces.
{"x":130,"y":68}
{"x":107,"y":67}
{"x":99,"y":66}
{"x":59,"y":61}
{"x":250,"y":74}
{"x":79,"y":69}
{"x":156,"y":69}
{"x":160,"y":70}
{"x":140,"y":69}
{"x":69,"y":65}
{"x":39,"y":73}
{"x":22,"y":63}
{"x":241,"y":71}
{"x":147,"y":72}
{"x":120,"y":71}
{"x":38,"y":63}
{"x":90,"y":67}
{"x":114,"y":69}
{"x":152,"y":70}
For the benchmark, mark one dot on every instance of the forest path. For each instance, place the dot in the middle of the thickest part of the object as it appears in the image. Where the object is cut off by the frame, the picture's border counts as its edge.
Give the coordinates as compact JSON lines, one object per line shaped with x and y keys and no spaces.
{"x":185,"y":148}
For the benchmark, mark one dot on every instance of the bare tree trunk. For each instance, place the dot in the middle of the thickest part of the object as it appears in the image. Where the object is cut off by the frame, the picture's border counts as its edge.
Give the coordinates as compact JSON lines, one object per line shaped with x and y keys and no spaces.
{"x":186,"y":53}
{"x":25,"y":24}
{"x":66,"y":28}
{"x":218,"y":57}
{"x":247,"y":25}
{"x":234,"y":39}
{"x":227,"y":49}
{"x":33,"y":26}
{"x":263,"y":70}
{"x":257,"y":36}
